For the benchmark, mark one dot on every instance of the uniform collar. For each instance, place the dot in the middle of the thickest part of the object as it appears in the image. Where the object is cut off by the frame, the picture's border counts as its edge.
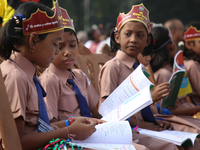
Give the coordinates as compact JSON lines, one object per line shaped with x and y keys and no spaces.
{"x":62,"y":74}
{"x":24,"y":64}
{"x":126,"y":59}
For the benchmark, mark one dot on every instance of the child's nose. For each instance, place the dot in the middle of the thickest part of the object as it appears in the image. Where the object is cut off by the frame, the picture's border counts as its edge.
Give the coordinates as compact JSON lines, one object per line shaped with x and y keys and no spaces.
{"x":67,"y":53}
{"x":133,"y":38}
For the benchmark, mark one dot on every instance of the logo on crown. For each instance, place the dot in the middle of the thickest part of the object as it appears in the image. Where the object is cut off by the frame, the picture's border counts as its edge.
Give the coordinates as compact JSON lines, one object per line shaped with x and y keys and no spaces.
{"x":66,"y":20}
{"x":41,"y":23}
{"x":137,"y":13}
{"x":191,"y":34}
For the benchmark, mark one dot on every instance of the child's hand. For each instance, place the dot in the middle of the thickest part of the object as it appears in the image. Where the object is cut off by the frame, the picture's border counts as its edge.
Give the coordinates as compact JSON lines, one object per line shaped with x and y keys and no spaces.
{"x":165,"y":124}
{"x":98,"y":121}
{"x":150,"y":126}
{"x":160,"y":91}
{"x":82,"y":127}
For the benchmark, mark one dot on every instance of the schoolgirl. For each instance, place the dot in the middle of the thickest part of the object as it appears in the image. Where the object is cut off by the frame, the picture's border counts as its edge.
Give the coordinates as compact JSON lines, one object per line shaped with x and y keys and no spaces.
{"x":130,"y":37}
{"x":31,"y":37}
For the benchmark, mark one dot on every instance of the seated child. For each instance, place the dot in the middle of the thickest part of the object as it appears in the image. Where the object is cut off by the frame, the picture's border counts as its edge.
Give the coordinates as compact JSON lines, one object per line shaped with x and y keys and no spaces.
{"x":162,"y":68}
{"x":130,"y":37}
{"x":62,"y":99}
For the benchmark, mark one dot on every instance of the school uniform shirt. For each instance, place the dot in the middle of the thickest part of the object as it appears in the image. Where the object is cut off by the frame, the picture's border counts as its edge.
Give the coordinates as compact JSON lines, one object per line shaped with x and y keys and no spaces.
{"x":22,"y":94}
{"x":163,"y":74}
{"x":114,"y":72}
{"x":193,"y":71}
{"x":61,"y":98}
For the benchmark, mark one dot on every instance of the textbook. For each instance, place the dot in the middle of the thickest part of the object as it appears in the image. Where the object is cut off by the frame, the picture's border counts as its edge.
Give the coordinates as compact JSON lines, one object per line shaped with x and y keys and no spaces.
{"x":177,"y":137}
{"x":175,"y":81}
{"x":132,"y":95}
{"x":110,"y":135}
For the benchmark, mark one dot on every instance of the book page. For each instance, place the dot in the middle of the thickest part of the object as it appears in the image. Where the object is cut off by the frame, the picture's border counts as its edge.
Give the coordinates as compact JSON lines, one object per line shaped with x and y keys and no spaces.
{"x":189,"y":135}
{"x":129,"y":87}
{"x":178,"y":61}
{"x":112,"y":132}
{"x":176,"y":137}
{"x":134,"y":104}
{"x":100,"y":146}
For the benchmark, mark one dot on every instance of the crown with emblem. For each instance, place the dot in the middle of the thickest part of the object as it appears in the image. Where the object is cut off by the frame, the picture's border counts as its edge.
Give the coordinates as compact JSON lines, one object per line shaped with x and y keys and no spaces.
{"x":191,"y":34}
{"x":41,"y":23}
{"x":66,"y":20}
{"x":137,"y":13}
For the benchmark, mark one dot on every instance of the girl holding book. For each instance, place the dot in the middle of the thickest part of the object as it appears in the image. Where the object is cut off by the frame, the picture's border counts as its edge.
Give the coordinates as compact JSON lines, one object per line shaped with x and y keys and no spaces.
{"x":31,"y":38}
{"x":130,"y":37}
{"x":162,"y":69}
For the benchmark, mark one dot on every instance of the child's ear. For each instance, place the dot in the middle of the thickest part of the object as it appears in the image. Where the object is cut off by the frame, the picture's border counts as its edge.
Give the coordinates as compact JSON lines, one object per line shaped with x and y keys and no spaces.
{"x":33,"y":38}
{"x":189,"y":44}
{"x":117,"y":37}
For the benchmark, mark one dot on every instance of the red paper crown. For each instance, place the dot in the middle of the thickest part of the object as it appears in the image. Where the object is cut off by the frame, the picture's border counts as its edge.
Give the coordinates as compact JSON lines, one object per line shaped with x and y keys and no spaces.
{"x":67,"y":22}
{"x":191,"y":34}
{"x":137,"y":13}
{"x":41,"y":23}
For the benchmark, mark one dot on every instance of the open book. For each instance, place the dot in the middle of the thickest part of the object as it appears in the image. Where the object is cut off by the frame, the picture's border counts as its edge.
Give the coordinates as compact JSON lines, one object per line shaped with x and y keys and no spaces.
{"x":177,"y":137}
{"x":110,"y":135}
{"x":175,"y":81}
{"x":132,"y":95}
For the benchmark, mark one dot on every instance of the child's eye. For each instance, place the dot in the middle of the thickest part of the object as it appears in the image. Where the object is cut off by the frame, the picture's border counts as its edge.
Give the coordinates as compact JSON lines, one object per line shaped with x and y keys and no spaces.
{"x":73,"y":45}
{"x":55,"y":44}
{"x":128,"y":34}
{"x":60,"y":48}
{"x":140,"y":35}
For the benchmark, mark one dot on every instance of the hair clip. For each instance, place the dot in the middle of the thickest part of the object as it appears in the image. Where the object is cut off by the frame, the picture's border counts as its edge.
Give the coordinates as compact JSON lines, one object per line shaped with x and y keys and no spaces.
{"x":115,"y":30}
{"x":16,"y":19}
{"x":21,"y":17}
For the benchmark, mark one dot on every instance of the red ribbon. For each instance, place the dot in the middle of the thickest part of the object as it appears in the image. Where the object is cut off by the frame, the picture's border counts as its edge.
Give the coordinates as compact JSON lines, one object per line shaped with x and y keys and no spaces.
{"x":30,"y":0}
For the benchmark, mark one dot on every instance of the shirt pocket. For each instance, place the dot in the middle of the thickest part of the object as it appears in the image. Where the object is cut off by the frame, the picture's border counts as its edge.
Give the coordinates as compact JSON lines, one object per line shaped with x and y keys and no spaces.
{"x":68,"y":103}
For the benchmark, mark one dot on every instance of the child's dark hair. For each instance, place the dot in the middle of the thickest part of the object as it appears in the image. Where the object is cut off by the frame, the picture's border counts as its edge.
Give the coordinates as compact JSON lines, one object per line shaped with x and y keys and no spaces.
{"x":160,"y":55}
{"x":148,"y":49}
{"x":159,"y":58}
{"x":116,"y":46}
{"x":113,"y":44}
{"x":71,"y":32}
{"x":188,"y":53}
{"x":12,"y":32}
